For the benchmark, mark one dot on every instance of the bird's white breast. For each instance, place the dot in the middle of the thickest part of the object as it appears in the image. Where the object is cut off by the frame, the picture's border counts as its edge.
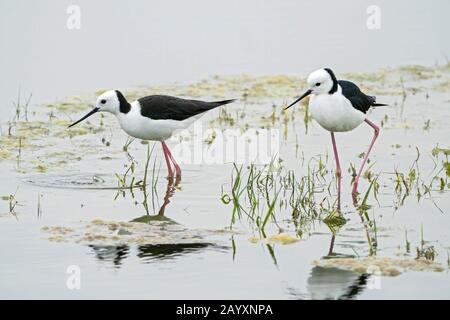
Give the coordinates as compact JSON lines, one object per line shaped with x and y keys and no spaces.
{"x":145,"y":128}
{"x":334,"y":112}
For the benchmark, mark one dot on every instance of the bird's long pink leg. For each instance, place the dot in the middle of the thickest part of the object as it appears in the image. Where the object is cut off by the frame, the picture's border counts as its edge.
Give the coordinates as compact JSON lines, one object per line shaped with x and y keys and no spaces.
{"x":338,"y":169}
{"x":177,"y":167}
{"x":366,"y":156}
{"x":166,"y":155}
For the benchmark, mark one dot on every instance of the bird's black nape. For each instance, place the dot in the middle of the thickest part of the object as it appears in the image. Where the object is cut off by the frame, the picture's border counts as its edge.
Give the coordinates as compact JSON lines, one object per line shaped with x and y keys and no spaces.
{"x":334,"y":79}
{"x":125,"y":107}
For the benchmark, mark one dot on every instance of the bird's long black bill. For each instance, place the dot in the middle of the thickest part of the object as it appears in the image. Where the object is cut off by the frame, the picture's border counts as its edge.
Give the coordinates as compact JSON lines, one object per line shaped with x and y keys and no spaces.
{"x":307,"y":93}
{"x":90,"y":113}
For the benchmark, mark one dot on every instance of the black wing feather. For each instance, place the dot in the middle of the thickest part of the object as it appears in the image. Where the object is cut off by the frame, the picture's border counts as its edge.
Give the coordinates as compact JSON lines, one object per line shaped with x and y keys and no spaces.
{"x":359,"y":100}
{"x":160,"y":107}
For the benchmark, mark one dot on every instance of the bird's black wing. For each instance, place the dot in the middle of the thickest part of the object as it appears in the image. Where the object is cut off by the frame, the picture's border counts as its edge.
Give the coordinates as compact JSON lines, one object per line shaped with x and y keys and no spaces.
{"x":358,"y":99}
{"x":159,"y":107}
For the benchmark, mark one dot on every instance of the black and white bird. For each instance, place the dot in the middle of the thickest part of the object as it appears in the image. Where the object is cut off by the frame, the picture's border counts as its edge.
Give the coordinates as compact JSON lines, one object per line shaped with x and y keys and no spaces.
{"x":154,"y":117}
{"x":339,"y":106}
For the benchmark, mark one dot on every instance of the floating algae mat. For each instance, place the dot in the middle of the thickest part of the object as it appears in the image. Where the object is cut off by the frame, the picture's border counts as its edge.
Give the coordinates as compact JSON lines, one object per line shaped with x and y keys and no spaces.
{"x":281,"y":238}
{"x":101,"y":232}
{"x":382,"y":266}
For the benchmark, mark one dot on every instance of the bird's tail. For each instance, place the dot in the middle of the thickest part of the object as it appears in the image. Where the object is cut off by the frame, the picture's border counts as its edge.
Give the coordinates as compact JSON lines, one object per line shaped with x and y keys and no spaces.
{"x":223,"y":102}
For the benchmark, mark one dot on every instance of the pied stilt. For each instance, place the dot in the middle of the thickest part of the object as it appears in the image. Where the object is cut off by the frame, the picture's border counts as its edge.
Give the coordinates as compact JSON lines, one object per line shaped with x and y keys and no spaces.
{"x":339,"y":106}
{"x":154,"y":117}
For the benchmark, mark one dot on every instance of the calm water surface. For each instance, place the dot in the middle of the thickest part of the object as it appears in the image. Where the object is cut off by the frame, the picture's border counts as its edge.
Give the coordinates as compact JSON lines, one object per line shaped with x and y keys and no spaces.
{"x":125,"y":44}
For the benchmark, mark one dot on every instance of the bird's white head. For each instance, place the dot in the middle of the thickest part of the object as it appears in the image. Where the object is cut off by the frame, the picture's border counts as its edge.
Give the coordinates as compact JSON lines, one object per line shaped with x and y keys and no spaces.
{"x":108,"y":102}
{"x":322,"y":81}
{"x":111,"y":101}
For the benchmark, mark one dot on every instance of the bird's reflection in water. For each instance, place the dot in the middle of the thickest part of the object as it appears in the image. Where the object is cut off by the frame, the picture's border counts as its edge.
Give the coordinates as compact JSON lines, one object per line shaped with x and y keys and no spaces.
{"x":172,"y":185}
{"x":333,"y":283}
{"x":113,"y":254}
{"x":338,"y":284}
{"x":150,"y":252}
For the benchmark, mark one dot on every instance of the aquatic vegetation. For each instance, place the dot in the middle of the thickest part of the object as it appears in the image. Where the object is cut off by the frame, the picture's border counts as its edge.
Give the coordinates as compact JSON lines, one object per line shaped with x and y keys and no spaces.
{"x":12,"y":202}
{"x":380,"y":266}
{"x":141,"y":184}
{"x":30,"y":139}
{"x":21,"y":108}
{"x":101,"y":232}
{"x":71,"y":104}
{"x":411,"y":182}
{"x":258,"y":93}
{"x":280,"y":238}
{"x":443,"y":86}
{"x":4,"y":154}
{"x":41,"y":168}
{"x":269,"y":197}
{"x":334,"y":221}
{"x":436,"y":151}
{"x":39,"y":205}
{"x":259,"y":193}
{"x":13,"y":143}
{"x":419,"y":71}
{"x":287,"y":207}
{"x":425,"y":251}
{"x":30,"y":129}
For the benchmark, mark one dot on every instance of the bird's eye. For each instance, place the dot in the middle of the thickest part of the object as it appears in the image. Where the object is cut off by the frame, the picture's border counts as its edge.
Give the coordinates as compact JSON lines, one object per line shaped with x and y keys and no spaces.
{"x":317,"y":84}
{"x":103,"y":101}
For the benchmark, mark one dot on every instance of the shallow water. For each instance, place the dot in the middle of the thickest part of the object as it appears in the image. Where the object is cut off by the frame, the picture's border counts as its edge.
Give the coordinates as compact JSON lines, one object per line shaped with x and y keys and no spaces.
{"x":72,"y":175}
{"x":66,"y":179}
